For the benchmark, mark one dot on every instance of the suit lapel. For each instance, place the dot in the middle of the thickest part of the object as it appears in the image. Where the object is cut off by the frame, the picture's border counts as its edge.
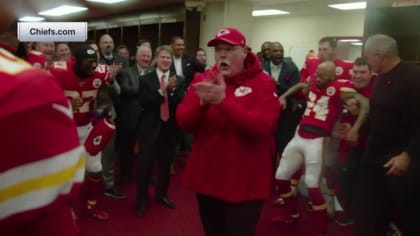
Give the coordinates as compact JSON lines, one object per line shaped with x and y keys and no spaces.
{"x":155,"y":80}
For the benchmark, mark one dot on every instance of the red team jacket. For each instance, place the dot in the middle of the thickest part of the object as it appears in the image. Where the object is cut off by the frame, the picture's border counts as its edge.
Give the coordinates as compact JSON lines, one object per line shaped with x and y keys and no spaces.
{"x":42,"y":162}
{"x":233,"y":147}
{"x":324,"y":106}
{"x":75,"y":87}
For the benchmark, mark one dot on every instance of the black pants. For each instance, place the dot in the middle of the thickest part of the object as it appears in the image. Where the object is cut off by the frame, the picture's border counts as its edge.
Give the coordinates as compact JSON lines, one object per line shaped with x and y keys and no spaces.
{"x":347,"y":178}
{"x":221,"y":218}
{"x":125,"y":141}
{"x":382,"y":198}
{"x":162,"y":152}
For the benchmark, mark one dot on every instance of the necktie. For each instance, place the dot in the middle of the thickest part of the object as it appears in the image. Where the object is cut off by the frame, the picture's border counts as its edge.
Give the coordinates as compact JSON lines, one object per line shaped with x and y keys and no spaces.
{"x":164,"y":106}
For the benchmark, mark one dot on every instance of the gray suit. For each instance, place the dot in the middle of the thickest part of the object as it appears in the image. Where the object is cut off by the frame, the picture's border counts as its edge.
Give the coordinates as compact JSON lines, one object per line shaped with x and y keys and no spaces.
{"x":129,"y":114}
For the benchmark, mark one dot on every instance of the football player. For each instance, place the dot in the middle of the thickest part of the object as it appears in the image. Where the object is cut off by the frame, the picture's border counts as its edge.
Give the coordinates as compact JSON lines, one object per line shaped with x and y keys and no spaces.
{"x":43,"y":162}
{"x":324,"y":105}
{"x":80,"y":80}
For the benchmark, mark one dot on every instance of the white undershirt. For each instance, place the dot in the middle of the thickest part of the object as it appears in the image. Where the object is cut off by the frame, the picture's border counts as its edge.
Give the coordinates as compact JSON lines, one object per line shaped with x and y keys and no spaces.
{"x":178,"y":66}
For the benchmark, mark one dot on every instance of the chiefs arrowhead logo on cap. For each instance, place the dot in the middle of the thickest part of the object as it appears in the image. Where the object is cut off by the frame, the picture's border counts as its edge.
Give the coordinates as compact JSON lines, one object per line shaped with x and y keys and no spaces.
{"x":222,"y":32}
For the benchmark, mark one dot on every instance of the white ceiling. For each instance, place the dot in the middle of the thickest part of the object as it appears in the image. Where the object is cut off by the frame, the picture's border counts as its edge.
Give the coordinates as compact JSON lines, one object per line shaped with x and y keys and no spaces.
{"x":295,"y":7}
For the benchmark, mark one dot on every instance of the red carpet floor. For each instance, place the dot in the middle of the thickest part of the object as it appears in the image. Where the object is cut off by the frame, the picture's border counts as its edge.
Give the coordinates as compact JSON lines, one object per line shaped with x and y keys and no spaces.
{"x":183,"y":221}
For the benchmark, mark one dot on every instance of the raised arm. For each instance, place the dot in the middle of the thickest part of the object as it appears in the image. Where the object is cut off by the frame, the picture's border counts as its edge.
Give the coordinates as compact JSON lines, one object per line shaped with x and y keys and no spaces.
{"x":361,"y":117}
{"x":291,"y":91}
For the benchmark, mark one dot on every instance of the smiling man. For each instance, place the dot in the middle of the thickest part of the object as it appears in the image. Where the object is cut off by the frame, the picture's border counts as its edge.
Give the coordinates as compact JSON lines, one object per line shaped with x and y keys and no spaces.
{"x":323,"y":108}
{"x":160,"y":93}
{"x":232,"y":110}
{"x":81,"y":81}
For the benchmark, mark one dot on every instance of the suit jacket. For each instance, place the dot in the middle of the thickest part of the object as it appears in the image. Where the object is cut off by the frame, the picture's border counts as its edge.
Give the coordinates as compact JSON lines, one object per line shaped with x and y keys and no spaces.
{"x":150,"y":99}
{"x":129,"y":108}
{"x":117,"y":59}
{"x":190,"y":66}
{"x":288,"y":77}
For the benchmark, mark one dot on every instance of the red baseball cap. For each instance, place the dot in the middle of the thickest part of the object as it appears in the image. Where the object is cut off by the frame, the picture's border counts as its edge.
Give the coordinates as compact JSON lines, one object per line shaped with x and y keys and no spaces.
{"x":228,"y":35}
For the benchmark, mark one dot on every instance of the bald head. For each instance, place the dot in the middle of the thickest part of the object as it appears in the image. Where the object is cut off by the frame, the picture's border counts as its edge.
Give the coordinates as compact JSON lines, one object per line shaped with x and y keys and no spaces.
{"x":276,"y":53}
{"x":106,"y":44}
{"x":381,"y":53}
{"x":327,"y":66}
{"x":325,"y":73}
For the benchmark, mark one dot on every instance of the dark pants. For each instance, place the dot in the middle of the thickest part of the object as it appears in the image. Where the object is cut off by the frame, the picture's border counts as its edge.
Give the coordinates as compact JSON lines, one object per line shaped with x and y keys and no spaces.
{"x":347,"y":179}
{"x":126,"y":140}
{"x":221,"y":218}
{"x":288,"y":121}
{"x":383,"y":198}
{"x":162,"y":152}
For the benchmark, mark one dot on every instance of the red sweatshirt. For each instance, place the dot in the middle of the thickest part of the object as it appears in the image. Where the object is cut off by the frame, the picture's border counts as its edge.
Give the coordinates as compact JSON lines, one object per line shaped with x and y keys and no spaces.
{"x":231,"y":157}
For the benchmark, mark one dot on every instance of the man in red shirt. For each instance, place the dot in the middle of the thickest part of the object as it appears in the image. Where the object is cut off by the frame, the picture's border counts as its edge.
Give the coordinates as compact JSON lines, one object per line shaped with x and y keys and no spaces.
{"x":323,"y":108}
{"x":232,"y":110}
{"x":42,"y":164}
{"x":326,"y":52}
{"x":349,"y":154}
{"x":80,"y":80}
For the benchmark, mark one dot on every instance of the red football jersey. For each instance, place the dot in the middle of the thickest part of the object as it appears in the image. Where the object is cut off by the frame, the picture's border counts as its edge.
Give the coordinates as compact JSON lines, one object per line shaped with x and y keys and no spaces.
{"x":37,"y":59}
{"x":324,"y":106}
{"x":75,"y":87}
{"x":42,"y":164}
{"x":342,"y":68}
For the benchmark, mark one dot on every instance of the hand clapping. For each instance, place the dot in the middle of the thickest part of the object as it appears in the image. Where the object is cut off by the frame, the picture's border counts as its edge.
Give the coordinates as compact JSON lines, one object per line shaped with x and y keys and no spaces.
{"x":211,"y":90}
{"x":171,"y":83}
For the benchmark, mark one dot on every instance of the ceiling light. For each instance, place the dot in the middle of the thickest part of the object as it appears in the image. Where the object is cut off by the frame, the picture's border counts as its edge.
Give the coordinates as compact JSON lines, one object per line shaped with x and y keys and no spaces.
{"x":349,"y":40}
{"x":357,"y":44}
{"x":349,"y":6}
{"x":269,"y":12}
{"x":62,"y":10}
{"x":31,"y":18}
{"x":106,"y":1}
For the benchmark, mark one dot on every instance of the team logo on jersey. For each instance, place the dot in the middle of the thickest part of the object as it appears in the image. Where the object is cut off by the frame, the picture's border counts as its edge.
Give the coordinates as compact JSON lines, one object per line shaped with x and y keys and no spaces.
{"x":339,"y":70}
{"x":330,"y":91}
{"x":242,"y":91}
{"x":97,"y":83}
{"x":97,"y":140}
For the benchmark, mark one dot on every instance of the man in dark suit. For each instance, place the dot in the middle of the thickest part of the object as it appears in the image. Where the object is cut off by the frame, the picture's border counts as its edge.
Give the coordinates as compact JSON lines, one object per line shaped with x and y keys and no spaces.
{"x":160,"y":93}
{"x":185,"y":66}
{"x":130,"y":109}
{"x":286,"y":74}
{"x":182,"y":64}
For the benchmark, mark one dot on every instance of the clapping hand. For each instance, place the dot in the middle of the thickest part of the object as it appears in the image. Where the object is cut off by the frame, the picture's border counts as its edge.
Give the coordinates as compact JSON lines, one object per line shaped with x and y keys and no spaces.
{"x":211,"y":90}
{"x":171,"y":83}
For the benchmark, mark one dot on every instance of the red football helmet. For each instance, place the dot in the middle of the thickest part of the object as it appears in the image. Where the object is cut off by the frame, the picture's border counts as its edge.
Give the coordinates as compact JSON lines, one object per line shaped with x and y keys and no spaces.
{"x":99,"y":136}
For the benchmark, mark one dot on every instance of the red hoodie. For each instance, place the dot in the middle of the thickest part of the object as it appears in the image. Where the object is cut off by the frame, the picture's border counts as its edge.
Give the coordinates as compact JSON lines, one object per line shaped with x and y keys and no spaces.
{"x":231,"y":157}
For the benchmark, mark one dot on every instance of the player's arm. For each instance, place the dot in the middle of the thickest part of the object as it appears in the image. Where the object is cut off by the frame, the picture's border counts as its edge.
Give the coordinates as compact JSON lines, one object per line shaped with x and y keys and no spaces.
{"x":295,"y":88}
{"x":363,"y":112}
